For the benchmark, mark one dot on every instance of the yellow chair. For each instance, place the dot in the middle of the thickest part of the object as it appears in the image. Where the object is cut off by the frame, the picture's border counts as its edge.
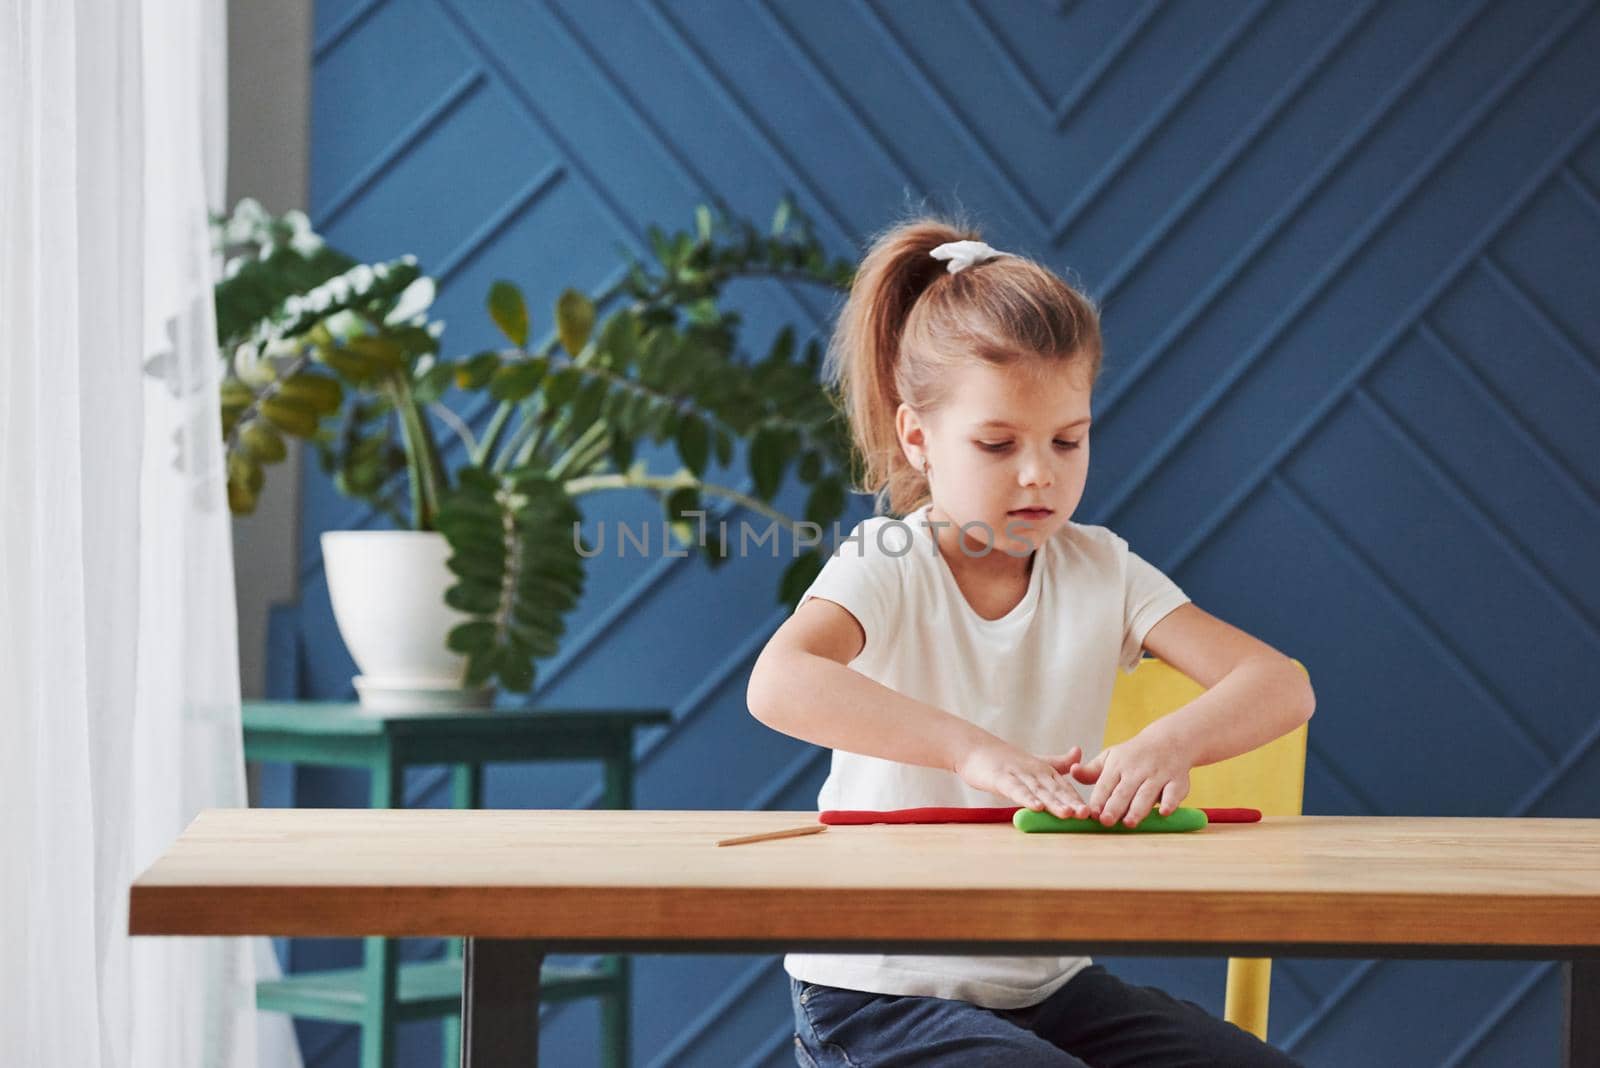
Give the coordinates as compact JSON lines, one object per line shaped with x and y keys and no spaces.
{"x":1270,"y":778}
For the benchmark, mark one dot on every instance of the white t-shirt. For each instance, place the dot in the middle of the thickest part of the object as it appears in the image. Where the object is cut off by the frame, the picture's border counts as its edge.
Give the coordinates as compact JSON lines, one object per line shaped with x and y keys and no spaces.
{"x":1040,"y":677}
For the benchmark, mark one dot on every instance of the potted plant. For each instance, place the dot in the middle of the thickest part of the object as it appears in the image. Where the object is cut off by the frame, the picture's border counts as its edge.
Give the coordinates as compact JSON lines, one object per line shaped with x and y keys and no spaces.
{"x":487,"y":556}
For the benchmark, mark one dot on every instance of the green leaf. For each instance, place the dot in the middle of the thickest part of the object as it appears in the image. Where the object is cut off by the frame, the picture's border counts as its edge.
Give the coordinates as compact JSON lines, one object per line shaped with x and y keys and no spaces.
{"x":549,"y":595}
{"x":683,"y":532}
{"x":478,"y":566}
{"x":470,"y":513}
{"x":517,"y":381}
{"x":694,"y":444}
{"x":586,"y":409}
{"x":320,"y":393}
{"x":574,"y":320}
{"x":509,"y":312}
{"x":724,"y":446}
{"x":480,"y":667}
{"x":813,"y":357}
{"x":619,"y":341}
{"x":289,"y":416}
{"x":348,"y":364}
{"x":236,"y":394}
{"x":780,"y":218}
{"x":473,"y":598}
{"x":716,"y":548}
{"x":473,"y":546}
{"x":703,"y":311}
{"x":534,"y":640}
{"x":516,"y":671}
{"x":414,"y":339}
{"x":244,"y":483}
{"x":702,"y":220}
{"x":825,"y":502}
{"x":433,"y":384}
{"x":766,"y":461}
{"x":681,"y":501}
{"x":782,"y":346}
{"x":470,"y":637}
{"x":810,"y":466}
{"x":653,"y":415}
{"x":658,"y":243}
{"x":476,"y":371}
{"x":382,"y":352}
{"x":264,"y":444}
{"x":560,"y":386}
{"x":615,"y":409}
{"x":621,"y":451}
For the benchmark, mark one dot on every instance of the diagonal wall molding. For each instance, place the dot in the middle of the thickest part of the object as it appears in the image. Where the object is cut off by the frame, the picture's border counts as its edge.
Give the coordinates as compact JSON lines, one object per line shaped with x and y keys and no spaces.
{"x":1290,"y":210}
{"x":431,"y":118}
{"x":1507,"y":539}
{"x":1236,"y":151}
{"x":1421,"y":626}
{"x":1230,"y":378}
{"x":1209,"y":526}
{"x":1220,"y":49}
{"x":1474,"y":380}
{"x":1059,"y":112}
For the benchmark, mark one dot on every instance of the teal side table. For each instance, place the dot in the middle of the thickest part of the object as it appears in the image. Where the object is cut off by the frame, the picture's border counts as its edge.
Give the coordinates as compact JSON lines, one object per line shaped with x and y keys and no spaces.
{"x":382,"y":991}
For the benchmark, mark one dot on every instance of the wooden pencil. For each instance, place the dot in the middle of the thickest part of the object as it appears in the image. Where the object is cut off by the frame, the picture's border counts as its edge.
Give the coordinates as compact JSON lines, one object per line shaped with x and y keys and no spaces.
{"x":790,"y":833}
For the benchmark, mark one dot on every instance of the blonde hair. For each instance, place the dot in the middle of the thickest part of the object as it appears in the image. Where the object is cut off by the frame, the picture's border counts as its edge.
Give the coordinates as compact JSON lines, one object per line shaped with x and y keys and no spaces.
{"x":908,"y":321}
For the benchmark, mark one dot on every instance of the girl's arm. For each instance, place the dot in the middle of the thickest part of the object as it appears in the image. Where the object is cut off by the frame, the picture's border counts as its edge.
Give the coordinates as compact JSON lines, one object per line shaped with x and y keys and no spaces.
{"x":800,"y":685}
{"x":1253,"y":694}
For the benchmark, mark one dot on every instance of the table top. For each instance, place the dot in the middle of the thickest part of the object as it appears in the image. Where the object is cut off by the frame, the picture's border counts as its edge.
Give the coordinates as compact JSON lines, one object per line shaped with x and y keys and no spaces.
{"x":348,"y":718}
{"x":642,"y":876}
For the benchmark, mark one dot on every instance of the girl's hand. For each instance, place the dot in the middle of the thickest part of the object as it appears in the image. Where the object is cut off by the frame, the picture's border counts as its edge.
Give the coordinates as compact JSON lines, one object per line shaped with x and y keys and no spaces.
{"x":1132,"y":776}
{"x":999,"y":767}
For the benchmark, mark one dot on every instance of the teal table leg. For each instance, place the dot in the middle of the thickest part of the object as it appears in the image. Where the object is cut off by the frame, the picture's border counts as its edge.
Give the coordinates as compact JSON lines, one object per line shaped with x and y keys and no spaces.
{"x":450,"y":1056}
{"x":381,"y":964}
{"x":466,"y":786}
{"x":616,"y":1027}
{"x":466,"y":791}
{"x":381,"y":960}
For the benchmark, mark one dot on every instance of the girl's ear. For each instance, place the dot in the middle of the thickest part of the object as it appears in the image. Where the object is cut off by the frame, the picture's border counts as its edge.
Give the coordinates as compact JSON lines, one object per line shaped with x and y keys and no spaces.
{"x":908,"y":428}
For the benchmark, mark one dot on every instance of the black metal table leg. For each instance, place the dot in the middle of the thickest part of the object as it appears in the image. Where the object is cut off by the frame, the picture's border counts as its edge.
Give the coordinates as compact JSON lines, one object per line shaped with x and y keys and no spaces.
{"x":500,"y":1004}
{"x":1580,"y":1013}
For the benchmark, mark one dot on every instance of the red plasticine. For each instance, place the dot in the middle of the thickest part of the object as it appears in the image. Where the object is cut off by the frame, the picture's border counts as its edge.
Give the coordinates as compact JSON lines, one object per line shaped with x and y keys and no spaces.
{"x":920,"y":815}
{"x":1232,"y":815}
{"x":841,"y":816}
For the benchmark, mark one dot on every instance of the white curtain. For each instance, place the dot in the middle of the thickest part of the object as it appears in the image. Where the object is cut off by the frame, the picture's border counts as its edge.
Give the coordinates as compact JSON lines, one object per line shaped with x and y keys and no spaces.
{"x":119,"y":687}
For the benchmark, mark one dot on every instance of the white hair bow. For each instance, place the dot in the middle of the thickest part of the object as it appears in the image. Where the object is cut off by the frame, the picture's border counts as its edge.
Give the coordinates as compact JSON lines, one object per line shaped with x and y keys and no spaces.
{"x":965,"y":253}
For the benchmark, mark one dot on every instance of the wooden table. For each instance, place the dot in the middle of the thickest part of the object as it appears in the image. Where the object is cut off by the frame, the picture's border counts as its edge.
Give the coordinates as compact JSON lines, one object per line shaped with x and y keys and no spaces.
{"x":520,"y":884}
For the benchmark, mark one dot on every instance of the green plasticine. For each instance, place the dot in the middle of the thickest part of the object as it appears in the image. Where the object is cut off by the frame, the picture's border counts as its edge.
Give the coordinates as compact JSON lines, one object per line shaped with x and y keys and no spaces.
{"x":1182,"y":819}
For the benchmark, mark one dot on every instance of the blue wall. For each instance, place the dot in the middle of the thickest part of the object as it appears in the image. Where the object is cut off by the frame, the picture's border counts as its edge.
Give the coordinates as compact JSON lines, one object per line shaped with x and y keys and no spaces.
{"x":1346,"y":255}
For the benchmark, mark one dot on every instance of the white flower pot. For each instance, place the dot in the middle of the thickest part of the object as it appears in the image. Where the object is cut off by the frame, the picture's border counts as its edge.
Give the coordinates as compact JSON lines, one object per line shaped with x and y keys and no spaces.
{"x":387,"y":589}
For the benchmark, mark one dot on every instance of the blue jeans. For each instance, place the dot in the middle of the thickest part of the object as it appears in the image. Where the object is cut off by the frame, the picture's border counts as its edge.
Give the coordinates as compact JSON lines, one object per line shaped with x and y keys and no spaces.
{"x":1095,"y":1019}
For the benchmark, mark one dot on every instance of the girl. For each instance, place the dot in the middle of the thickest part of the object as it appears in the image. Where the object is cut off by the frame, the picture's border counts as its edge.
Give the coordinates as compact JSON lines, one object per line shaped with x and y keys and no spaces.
{"x":942,"y":672}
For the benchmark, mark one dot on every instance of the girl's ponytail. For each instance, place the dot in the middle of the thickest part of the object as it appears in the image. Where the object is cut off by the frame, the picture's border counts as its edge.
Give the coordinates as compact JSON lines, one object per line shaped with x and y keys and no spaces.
{"x":908,"y":323}
{"x":863,"y":356}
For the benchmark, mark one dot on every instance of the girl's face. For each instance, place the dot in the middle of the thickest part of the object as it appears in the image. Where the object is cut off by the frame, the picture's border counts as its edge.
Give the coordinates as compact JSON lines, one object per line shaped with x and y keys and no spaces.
{"x":1005,"y":441}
